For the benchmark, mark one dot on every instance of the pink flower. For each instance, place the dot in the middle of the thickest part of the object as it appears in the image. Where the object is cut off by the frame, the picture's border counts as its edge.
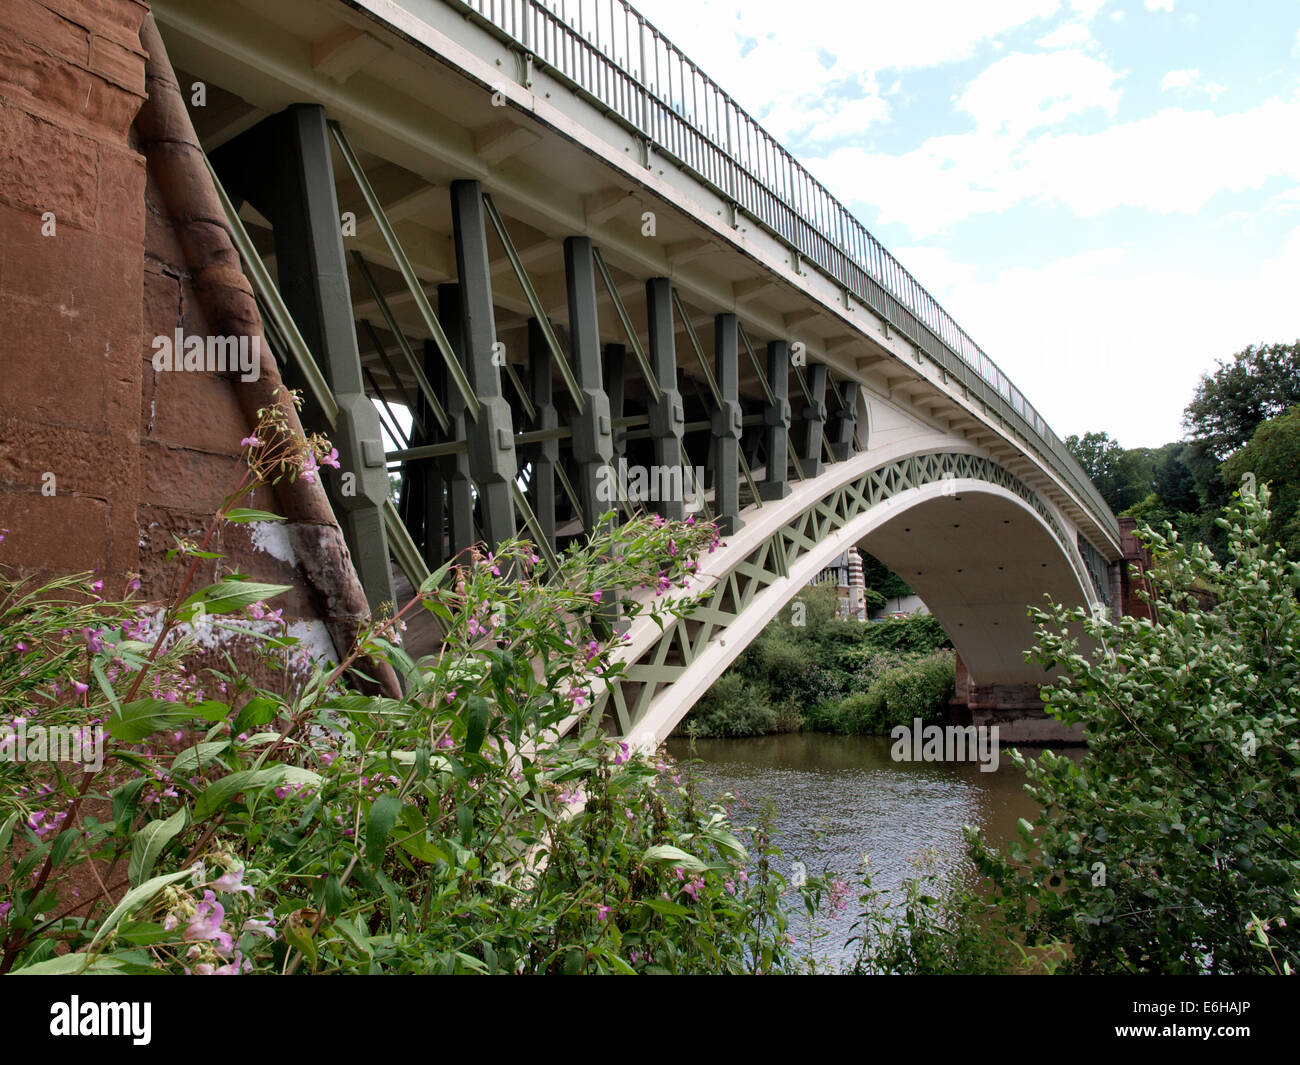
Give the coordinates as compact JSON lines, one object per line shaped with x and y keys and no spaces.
{"x":309,"y":468}
{"x":332,"y":459}
{"x":622,"y":756}
{"x":80,"y":688}
{"x":250,"y":441}
{"x":602,"y":912}
{"x":260,"y":928}
{"x":206,"y":923}
{"x":596,"y":595}
{"x":233,"y":880}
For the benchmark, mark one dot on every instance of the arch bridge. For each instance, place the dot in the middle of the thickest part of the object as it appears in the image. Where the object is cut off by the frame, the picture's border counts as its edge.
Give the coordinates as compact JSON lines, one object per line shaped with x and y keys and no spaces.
{"x":533,"y":242}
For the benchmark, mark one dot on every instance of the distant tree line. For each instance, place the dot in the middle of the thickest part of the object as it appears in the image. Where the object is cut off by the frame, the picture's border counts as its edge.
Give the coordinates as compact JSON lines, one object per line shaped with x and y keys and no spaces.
{"x":1243,"y":419}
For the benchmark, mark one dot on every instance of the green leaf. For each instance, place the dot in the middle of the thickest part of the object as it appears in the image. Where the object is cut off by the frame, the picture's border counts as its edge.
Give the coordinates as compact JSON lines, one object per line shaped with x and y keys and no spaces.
{"x":668,"y":909}
{"x":250,"y":514}
{"x":675,"y":855}
{"x":199,"y":755}
{"x":68,"y":964}
{"x":144,"y":717}
{"x":222,"y":791}
{"x":477,"y":716}
{"x":229,"y":597}
{"x":383,"y":815}
{"x":7,"y":830}
{"x":211,"y":710}
{"x":257,"y":711}
{"x":137,"y":897}
{"x":150,"y":841}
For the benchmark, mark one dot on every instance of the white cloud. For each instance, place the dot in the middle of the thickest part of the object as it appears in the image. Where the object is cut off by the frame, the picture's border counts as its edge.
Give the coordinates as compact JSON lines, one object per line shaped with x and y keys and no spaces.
{"x":1116,"y":338}
{"x":1023,"y":92}
{"x":781,"y":51}
{"x":1188,"y":81}
{"x":1087,"y":9}
{"x":1171,"y":162}
{"x":1158,"y":5}
{"x":1070,"y":35}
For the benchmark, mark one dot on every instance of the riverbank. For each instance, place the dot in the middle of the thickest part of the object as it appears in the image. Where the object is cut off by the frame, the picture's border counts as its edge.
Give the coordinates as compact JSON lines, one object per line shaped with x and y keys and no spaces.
{"x":812,"y":671}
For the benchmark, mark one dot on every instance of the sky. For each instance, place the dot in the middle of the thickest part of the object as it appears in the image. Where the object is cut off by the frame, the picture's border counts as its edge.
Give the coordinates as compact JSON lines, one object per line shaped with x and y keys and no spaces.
{"x":1105,"y":194}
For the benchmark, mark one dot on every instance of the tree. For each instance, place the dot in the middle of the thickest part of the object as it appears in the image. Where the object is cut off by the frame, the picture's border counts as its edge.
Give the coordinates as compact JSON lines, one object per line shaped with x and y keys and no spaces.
{"x":1174,"y":483}
{"x":1174,"y":845}
{"x":1122,"y":477}
{"x":1273,"y":457}
{"x":1258,"y":384}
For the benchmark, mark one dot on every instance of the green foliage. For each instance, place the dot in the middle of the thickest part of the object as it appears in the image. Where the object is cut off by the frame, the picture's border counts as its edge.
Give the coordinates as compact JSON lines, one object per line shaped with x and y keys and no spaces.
{"x":919,"y":634}
{"x":1272,"y":457}
{"x":800,"y":675}
{"x":287,"y":822}
{"x":730,"y":708}
{"x":939,"y":927}
{"x":1259,"y":383}
{"x":1110,"y":468}
{"x":1177,"y":832}
{"x":882,"y":582}
{"x":919,"y":687}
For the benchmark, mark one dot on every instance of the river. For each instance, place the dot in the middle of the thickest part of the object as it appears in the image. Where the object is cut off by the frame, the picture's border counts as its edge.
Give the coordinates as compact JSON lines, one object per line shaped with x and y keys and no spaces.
{"x":838,"y":798}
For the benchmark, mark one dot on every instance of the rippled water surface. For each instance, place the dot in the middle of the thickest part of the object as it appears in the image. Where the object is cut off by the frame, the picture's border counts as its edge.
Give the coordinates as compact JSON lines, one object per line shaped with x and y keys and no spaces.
{"x":838,"y":798}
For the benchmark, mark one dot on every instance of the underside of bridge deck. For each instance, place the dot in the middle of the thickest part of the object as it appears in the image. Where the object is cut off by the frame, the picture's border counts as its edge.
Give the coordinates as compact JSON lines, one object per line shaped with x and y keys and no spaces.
{"x":523,"y":295}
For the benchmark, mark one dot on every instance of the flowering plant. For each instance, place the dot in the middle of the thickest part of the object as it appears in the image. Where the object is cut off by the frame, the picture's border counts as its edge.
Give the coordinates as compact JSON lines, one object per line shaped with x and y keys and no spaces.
{"x":284,"y":822}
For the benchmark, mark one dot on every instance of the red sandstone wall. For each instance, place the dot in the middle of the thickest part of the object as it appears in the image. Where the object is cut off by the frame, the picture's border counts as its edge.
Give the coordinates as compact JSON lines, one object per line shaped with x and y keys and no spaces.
{"x":1134,"y":555}
{"x":137,"y":456}
{"x":71,"y":81}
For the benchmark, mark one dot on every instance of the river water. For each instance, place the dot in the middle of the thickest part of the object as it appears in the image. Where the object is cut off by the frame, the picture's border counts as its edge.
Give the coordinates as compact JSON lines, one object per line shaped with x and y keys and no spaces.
{"x":840,"y":798}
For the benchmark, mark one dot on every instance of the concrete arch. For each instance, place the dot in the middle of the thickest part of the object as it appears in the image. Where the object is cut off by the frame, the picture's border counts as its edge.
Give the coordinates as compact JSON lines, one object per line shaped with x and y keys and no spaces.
{"x":891,"y":509}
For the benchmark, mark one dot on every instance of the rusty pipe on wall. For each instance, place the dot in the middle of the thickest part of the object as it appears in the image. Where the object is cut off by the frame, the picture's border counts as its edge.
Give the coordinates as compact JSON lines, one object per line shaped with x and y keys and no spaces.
{"x":176,"y":160}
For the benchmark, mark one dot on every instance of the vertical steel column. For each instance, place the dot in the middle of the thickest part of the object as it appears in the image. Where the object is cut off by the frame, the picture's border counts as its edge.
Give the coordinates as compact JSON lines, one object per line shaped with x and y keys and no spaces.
{"x":615,"y":361}
{"x":282,"y":167}
{"x":814,"y":421}
{"x":776,"y":423}
{"x":491,"y":435}
{"x":546,"y":454}
{"x":593,"y":431}
{"x":845,"y":421}
{"x":455,"y":468}
{"x":726,"y":424}
{"x":428,"y":472}
{"x":667,"y":419}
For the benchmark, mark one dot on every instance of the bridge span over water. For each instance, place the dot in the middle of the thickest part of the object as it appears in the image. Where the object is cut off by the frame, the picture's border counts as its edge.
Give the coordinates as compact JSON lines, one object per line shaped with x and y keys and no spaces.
{"x":546,"y":234}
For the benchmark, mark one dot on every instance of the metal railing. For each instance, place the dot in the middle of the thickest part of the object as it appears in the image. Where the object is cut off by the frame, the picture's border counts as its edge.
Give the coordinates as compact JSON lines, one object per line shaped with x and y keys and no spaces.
{"x":607,"y":50}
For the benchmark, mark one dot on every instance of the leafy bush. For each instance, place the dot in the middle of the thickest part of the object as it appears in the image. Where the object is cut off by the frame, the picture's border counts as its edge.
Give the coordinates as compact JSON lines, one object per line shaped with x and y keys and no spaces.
{"x":730,"y":708}
{"x":939,"y":927}
{"x":297,"y":825}
{"x":1172,"y":847}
